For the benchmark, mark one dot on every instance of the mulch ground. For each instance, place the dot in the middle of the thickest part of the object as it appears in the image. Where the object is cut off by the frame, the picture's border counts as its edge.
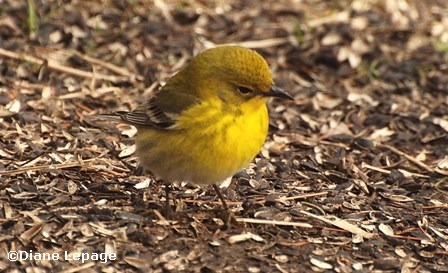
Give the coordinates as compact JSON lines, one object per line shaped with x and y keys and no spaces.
{"x":353,"y":176}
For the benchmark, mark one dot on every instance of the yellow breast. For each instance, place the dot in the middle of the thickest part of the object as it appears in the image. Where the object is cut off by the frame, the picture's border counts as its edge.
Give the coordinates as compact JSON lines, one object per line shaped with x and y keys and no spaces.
{"x":208,"y":144}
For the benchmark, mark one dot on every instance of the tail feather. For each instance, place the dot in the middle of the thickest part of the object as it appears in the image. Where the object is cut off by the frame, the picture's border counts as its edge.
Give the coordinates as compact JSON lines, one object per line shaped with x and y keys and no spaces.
{"x":115,"y":116}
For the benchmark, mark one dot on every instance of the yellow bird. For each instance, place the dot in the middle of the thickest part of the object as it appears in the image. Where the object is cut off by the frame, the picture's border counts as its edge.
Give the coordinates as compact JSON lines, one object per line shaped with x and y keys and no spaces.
{"x":208,"y":121}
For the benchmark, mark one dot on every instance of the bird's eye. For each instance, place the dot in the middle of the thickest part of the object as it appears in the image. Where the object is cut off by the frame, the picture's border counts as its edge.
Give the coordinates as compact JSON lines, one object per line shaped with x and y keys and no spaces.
{"x":244,"y":90}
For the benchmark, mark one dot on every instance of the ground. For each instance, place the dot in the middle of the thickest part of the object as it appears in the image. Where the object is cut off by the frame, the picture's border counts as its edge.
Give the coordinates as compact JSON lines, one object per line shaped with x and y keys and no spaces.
{"x":352,"y":178}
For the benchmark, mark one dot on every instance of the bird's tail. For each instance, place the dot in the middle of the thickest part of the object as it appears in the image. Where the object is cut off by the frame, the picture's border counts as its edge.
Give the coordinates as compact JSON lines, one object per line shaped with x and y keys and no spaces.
{"x":118,"y":116}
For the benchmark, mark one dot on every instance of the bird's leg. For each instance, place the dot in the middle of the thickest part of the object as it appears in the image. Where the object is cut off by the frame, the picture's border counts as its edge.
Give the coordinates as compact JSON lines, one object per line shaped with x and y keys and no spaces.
{"x":223,"y":201}
{"x":168,"y":210}
{"x":228,"y":217}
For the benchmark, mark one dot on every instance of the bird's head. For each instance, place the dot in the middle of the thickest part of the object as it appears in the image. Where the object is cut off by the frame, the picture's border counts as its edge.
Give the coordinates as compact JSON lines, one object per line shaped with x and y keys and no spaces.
{"x":235,"y":75}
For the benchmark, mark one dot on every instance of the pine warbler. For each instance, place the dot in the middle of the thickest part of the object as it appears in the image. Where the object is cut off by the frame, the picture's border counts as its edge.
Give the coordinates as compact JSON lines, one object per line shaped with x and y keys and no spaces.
{"x":209,"y":120}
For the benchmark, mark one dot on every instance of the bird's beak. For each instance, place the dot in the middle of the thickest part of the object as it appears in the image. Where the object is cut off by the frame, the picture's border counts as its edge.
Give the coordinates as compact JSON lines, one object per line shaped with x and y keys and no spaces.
{"x":278,"y":93}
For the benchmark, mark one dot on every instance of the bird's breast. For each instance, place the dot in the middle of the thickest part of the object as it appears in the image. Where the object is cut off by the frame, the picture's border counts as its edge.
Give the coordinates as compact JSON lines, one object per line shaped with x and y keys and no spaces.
{"x":232,"y":140}
{"x":207,"y":146}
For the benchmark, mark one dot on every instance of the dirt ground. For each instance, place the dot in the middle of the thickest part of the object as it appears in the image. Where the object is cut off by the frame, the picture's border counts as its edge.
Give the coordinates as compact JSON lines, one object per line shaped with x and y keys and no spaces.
{"x":353,"y":176}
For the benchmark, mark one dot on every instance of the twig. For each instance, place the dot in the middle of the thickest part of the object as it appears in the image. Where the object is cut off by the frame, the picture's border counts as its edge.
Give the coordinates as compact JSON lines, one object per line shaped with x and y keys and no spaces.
{"x":382,"y":170}
{"x":162,"y":220}
{"x":42,"y":167}
{"x":57,"y":167}
{"x":307,"y":195}
{"x":259,"y":200}
{"x":273,"y":222}
{"x":340,"y":223}
{"x":294,"y":243}
{"x":374,"y":168}
{"x":313,"y":206}
{"x":119,"y":70}
{"x":263,"y":43}
{"x":54,"y":65}
{"x":408,"y":157}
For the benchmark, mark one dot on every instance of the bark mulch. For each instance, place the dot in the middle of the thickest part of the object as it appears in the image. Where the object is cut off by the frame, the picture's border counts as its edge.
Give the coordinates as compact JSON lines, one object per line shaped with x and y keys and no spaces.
{"x":353,"y":176}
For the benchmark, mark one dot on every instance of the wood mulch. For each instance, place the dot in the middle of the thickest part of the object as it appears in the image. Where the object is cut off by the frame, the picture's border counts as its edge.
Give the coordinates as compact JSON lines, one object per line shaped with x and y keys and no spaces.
{"x":353,"y":176}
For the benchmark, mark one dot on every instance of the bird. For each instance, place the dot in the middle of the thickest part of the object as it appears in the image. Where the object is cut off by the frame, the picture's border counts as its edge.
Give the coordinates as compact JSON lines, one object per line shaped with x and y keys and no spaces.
{"x":208,"y":121}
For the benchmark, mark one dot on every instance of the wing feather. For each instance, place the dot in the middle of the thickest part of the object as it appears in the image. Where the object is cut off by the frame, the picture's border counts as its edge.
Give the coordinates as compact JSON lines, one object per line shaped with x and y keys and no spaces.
{"x":149,"y":114}
{"x":162,"y":110}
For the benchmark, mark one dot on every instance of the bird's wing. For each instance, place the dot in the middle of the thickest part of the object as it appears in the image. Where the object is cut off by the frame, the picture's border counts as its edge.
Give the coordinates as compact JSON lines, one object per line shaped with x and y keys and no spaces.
{"x":161,"y":111}
{"x":149,"y":114}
